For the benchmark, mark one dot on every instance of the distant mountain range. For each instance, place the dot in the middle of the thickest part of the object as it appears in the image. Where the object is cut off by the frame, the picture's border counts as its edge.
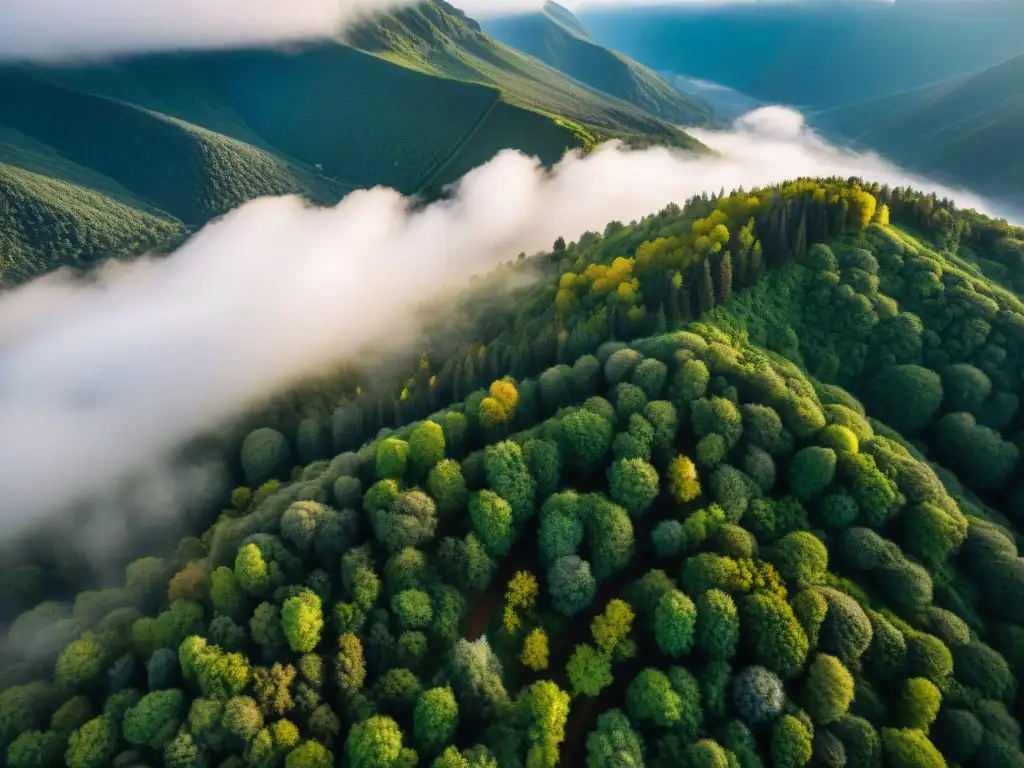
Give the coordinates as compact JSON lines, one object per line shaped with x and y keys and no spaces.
{"x":816,"y":55}
{"x":111,"y":160}
{"x":558,"y":38}
{"x":968,"y":129}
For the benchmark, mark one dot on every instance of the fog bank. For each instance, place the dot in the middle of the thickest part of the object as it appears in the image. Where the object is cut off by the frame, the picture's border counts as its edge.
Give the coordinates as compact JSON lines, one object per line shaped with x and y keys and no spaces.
{"x":51,"y":30}
{"x":103,"y":379}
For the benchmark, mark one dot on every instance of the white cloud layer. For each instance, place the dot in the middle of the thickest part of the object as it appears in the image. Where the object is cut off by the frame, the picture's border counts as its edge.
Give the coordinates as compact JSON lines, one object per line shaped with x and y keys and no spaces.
{"x":102,"y":380}
{"x":60,"y":29}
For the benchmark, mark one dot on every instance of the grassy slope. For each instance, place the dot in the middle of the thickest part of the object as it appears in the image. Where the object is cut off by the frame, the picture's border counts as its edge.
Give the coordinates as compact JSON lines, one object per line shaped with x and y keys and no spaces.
{"x":967,"y":129}
{"x":557,"y":38}
{"x":411,"y":102}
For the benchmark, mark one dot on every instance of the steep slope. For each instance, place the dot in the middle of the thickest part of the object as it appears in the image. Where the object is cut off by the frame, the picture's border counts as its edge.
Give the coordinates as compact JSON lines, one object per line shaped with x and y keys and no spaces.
{"x":557,"y":38}
{"x":966,"y":130}
{"x":436,"y":38}
{"x":816,"y":54}
{"x":46,"y":222}
{"x":411,"y":101}
{"x":776,"y":518}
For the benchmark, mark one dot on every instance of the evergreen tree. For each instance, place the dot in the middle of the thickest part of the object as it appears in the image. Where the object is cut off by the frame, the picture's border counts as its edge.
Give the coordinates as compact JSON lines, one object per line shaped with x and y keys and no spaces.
{"x":705,"y":288}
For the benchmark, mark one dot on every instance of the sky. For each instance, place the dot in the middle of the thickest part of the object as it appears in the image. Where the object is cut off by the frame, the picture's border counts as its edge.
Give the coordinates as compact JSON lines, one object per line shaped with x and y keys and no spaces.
{"x":49,"y":30}
{"x":101,"y":381}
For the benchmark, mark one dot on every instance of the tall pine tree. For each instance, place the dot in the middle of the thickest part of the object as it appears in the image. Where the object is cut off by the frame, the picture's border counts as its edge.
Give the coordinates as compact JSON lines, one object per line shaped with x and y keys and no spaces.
{"x":705,"y":287}
{"x":723,"y":286}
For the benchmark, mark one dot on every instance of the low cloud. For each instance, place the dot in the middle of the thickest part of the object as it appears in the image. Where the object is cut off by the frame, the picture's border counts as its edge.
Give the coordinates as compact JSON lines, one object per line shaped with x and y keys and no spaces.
{"x":53,"y":30}
{"x":484,"y":8}
{"x":103,"y":379}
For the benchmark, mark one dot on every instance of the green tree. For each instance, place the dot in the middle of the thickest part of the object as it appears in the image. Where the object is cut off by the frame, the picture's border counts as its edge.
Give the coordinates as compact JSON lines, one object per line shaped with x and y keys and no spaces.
{"x":674,"y":623}
{"x":811,"y":471}
{"x":801,"y":558}
{"x":718,"y":624}
{"x":571,"y":584}
{"x":155,"y":719}
{"x":614,"y":743}
{"x":491,"y":516}
{"x":265,"y":455}
{"x":545,"y":708}
{"x":919,"y":703}
{"x":374,"y":742}
{"x":906,"y":397}
{"x":791,"y":745}
{"x":309,"y":754}
{"x":613,"y":625}
{"x":392,"y":459}
{"x":426,"y":447}
{"x":634,"y":485}
{"x":829,"y":689}
{"x":757,"y":695}
{"x":302,"y":620}
{"x":413,"y":609}
{"x":509,"y":477}
{"x":36,"y":749}
{"x":448,"y":487}
{"x":589,"y":670}
{"x":910,"y":748}
{"x":650,"y":698}
{"x":349,"y":667}
{"x":435,"y":720}
{"x":587,"y":439}
{"x":93,"y":745}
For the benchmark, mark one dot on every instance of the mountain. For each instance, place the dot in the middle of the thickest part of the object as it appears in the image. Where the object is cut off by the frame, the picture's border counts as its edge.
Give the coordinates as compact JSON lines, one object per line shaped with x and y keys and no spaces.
{"x":966,"y":130}
{"x":556,"y":37}
{"x":761,"y":508}
{"x":411,"y":101}
{"x":816,"y":54}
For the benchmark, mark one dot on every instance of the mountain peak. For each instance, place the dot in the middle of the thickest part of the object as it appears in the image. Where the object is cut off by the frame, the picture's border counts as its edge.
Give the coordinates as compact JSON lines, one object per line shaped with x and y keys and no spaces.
{"x":565,"y":18}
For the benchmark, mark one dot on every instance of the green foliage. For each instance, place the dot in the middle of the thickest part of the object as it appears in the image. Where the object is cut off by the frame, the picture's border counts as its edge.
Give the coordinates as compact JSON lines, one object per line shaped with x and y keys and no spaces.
{"x":906,"y":397}
{"x":757,"y":695}
{"x":571,"y":584}
{"x":413,"y":609}
{"x":800,"y":557}
{"x":153,"y":721}
{"x":633,"y":484}
{"x":829,"y":689}
{"x":791,"y":745}
{"x":265,"y":455}
{"x":773,"y":633}
{"x":650,"y":698}
{"x":614,"y":743}
{"x":374,"y":742}
{"x":492,"y":520}
{"x":435,"y":720}
{"x":910,"y":748}
{"x":674,"y":623}
{"x":587,"y":440}
{"x":811,"y":471}
{"x":302,"y":621}
{"x":392,"y":459}
{"x":94,"y":744}
{"x":589,"y":670}
{"x":718,"y":624}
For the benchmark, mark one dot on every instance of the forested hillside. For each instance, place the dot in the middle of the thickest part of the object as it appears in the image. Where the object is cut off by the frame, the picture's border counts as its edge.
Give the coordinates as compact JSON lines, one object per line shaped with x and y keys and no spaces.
{"x":558,"y":38}
{"x":789,"y":53}
{"x":966,"y":130}
{"x":411,"y":101}
{"x":733,"y":485}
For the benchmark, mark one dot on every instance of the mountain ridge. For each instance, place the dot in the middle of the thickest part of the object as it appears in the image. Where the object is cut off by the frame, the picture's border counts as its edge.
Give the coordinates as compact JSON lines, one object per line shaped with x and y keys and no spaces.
{"x":412,"y":101}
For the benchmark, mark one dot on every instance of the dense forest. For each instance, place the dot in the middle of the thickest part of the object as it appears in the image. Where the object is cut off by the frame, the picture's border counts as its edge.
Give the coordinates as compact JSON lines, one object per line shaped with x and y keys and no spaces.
{"x":735,"y":485}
